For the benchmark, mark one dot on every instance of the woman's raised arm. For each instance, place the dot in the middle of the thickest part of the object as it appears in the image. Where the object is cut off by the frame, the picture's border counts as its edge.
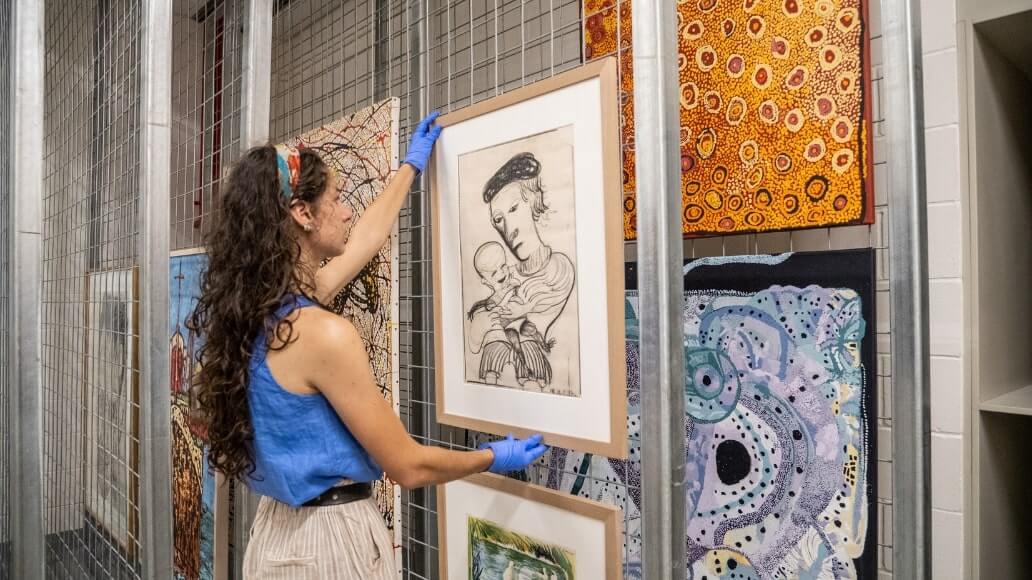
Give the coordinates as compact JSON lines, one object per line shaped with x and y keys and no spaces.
{"x":368,"y":235}
{"x":373,"y":229}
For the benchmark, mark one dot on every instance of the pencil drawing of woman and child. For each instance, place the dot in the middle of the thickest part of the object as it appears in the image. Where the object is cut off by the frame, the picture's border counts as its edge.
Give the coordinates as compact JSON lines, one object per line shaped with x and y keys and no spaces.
{"x":530,"y":284}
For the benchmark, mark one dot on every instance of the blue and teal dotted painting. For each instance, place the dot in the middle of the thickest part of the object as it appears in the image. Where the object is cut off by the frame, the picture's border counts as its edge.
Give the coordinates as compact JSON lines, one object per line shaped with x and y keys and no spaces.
{"x":779,"y":430}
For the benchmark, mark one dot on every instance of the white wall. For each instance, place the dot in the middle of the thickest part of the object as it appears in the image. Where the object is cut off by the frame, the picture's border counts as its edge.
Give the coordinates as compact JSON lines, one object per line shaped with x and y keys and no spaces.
{"x":946,"y":285}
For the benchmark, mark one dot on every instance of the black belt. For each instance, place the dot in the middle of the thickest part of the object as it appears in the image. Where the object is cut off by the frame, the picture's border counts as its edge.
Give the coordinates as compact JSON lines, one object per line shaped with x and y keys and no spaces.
{"x":342,"y":494}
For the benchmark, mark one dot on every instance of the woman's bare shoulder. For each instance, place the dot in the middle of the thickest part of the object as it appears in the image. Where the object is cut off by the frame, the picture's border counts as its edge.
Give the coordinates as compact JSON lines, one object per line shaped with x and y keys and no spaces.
{"x":317,"y":327}
{"x":321,"y":344}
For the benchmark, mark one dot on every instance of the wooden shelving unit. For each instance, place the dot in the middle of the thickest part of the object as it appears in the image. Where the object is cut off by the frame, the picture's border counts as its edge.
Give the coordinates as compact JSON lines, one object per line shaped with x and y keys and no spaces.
{"x":1017,"y":402}
{"x":997,"y":47}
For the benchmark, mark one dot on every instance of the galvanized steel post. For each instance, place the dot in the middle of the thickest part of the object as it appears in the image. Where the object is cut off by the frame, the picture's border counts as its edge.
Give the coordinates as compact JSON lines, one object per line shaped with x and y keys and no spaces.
{"x":908,"y":263}
{"x":660,"y":254}
{"x":26,"y":401}
{"x":419,"y":522}
{"x":257,"y":74}
{"x":155,"y":396}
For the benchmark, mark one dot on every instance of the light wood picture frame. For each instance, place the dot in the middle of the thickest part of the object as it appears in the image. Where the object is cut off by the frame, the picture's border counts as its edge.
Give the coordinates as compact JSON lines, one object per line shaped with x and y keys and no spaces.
{"x":528,"y":264}
{"x":491,"y":523}
{"x":111,"y":410}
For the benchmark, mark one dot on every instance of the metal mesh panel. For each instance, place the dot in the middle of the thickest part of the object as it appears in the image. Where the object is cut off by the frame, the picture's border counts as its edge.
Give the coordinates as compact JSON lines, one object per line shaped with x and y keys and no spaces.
{"x":90,"y":322}
{"x":476,"y":51}
{"x":334,"y":56}
{"x":206,"y":91}
{"x":479,"y":49}
{"x":6,"y":218}
{"x":325,"y":62}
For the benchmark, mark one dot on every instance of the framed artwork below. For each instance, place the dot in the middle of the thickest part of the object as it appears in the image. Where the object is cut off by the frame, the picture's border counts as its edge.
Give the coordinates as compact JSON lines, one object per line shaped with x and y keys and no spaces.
{"x":492,"y":527}
{"x":528,"y":263}
{"x":111,"y":406}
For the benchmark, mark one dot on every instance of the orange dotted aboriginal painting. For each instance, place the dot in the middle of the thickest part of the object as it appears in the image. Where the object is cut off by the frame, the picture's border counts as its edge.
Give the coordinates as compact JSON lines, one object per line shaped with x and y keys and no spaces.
{"x":775,"y":111}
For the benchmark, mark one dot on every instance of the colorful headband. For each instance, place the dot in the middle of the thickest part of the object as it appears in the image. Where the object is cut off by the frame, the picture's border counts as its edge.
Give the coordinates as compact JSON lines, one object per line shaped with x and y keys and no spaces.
{"x":288,"y":164}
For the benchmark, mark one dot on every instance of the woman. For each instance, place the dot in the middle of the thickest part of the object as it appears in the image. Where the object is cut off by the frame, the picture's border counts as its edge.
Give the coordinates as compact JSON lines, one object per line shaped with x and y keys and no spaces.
{"x":286,"y":390}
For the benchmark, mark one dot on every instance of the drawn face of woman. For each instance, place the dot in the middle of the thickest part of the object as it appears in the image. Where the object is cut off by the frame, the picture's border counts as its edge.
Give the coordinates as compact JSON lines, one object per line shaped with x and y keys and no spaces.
{"x":513,"y":219}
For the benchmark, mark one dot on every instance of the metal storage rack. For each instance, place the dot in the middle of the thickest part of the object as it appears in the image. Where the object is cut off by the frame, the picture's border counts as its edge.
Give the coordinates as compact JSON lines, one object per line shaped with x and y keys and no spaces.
{"x":143,"y":104}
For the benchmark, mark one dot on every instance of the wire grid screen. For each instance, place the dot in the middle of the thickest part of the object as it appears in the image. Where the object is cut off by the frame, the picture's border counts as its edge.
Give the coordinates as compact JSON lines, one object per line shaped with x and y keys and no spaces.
{"x":6,"y":223}
{"x":470,"y":71}
{"x":207,"y":74}
{"x":479,"y":49}
{"x":333,"y":57}
{"x":90,"y":322}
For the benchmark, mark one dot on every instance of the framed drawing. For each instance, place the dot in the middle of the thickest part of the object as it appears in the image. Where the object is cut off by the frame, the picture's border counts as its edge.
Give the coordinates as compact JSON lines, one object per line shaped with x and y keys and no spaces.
{"x":362,"y":148}
{"x":494,"y":528}
{"x":528,"y":260}
{"x":111,"y":410}
{"x":200,"y":510}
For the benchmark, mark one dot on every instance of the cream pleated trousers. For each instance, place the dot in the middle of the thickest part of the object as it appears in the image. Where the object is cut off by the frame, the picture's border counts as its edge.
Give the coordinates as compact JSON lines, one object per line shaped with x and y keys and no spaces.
{"x":347,"y":542}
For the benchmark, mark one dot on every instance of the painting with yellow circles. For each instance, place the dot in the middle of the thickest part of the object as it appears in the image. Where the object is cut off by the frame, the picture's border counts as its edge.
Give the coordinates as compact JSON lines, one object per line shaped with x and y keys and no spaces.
{"x":775,"y":111}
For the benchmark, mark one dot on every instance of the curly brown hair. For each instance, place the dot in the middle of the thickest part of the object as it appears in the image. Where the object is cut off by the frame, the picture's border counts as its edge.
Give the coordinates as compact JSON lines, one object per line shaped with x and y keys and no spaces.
{"x":253,"y":263}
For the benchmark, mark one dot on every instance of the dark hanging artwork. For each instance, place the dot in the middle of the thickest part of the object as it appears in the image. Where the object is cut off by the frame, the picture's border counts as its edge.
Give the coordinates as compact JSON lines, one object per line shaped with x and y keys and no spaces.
{"x":779,"y":424}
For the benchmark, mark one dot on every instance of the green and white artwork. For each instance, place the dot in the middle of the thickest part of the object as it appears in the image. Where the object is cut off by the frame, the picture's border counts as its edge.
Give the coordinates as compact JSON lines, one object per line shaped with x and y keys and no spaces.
{"x":497,"y":553}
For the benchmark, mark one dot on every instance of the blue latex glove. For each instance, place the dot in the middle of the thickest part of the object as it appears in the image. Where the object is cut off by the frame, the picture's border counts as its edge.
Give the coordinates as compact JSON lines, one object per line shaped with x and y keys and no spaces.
{"x":514,"y":454}
{"x":422,"y":144}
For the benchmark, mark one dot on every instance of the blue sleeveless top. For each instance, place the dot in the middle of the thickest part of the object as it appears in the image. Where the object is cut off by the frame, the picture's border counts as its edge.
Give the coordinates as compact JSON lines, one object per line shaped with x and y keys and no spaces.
{"x":301,"y":447}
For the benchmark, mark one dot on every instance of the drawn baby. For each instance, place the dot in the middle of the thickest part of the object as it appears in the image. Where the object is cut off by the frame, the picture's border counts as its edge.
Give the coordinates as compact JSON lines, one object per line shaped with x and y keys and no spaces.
{"x":496,"y":274}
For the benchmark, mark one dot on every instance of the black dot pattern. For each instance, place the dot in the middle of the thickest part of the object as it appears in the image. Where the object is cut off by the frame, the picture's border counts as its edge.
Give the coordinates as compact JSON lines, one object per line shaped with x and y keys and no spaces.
{"x":775,"y":435}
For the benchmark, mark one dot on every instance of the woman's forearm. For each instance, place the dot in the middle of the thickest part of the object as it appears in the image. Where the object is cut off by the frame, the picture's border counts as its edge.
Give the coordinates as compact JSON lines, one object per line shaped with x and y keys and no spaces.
{"x":440,"y":465}
{"x":378,"y":219}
